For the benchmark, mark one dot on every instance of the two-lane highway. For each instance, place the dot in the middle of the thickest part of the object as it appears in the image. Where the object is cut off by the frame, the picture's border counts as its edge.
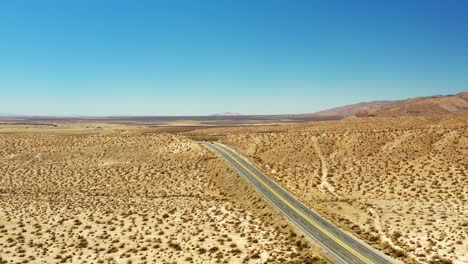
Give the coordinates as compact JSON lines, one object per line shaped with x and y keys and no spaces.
{"x":339,"y":246}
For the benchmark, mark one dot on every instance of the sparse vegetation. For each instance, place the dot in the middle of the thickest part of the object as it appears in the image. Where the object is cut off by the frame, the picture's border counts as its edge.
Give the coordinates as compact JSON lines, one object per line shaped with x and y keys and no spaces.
{"x":127,"y":196}
{"x":398,"y":183}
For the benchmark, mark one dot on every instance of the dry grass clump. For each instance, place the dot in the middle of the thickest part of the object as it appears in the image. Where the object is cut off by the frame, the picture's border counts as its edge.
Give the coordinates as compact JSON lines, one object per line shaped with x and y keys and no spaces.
{"x":399,"y":183}
{"x":129,"y":198}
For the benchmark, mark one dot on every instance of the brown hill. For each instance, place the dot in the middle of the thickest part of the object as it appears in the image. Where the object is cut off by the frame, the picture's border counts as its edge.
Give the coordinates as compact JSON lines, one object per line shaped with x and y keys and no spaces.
{"x":349,"y":110}
{"x":419,"y":106}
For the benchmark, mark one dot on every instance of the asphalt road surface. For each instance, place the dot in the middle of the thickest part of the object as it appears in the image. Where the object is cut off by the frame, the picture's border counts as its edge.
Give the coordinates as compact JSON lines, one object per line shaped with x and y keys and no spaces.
{"x":338,"y":246}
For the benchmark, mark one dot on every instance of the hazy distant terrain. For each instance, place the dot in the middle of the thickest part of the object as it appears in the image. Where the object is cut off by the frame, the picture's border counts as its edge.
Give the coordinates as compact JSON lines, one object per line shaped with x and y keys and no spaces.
{"x":419,"y":106}
{"x":166,"y":121}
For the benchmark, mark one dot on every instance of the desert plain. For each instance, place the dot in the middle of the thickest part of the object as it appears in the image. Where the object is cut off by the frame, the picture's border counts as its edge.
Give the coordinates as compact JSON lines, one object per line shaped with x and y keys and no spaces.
{"x":118,"y":193}
{"x":111,"y":194}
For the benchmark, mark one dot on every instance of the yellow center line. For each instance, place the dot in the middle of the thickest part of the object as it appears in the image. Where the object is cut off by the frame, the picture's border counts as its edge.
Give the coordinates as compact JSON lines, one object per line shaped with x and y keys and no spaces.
{"x":312,"y":222}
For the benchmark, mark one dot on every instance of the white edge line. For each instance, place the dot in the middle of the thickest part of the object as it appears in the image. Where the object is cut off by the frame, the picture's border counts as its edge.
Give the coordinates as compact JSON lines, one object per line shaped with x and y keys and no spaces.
{"x":281,"y":210}
{"x":388,"y":258}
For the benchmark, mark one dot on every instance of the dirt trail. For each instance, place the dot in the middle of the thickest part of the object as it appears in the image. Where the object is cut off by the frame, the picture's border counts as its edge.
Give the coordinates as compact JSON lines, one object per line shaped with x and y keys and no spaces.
{"x":378,"y":227}
{"x":324,"y":185}
{"x":383,"y":236}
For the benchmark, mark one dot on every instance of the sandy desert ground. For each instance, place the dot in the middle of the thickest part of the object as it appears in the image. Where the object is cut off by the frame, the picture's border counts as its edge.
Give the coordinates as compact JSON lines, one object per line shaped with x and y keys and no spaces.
{"x":400,"y":184}
{"x":107,"y":194}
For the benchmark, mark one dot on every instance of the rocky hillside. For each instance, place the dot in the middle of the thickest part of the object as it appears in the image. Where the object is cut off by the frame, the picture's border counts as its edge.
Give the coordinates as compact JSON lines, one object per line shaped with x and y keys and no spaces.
{"x":434,"y":105}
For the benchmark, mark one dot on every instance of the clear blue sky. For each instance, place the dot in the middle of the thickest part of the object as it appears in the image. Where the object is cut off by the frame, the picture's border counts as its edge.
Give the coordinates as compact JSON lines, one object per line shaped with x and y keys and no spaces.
{"x":175,"y":57}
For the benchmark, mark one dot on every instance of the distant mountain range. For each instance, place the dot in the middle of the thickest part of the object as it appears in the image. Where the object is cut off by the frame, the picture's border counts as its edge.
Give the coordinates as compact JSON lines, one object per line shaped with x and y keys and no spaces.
{"x":432,"y":105}
{"x":227,"y":114}
{"x":418,"y":106}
